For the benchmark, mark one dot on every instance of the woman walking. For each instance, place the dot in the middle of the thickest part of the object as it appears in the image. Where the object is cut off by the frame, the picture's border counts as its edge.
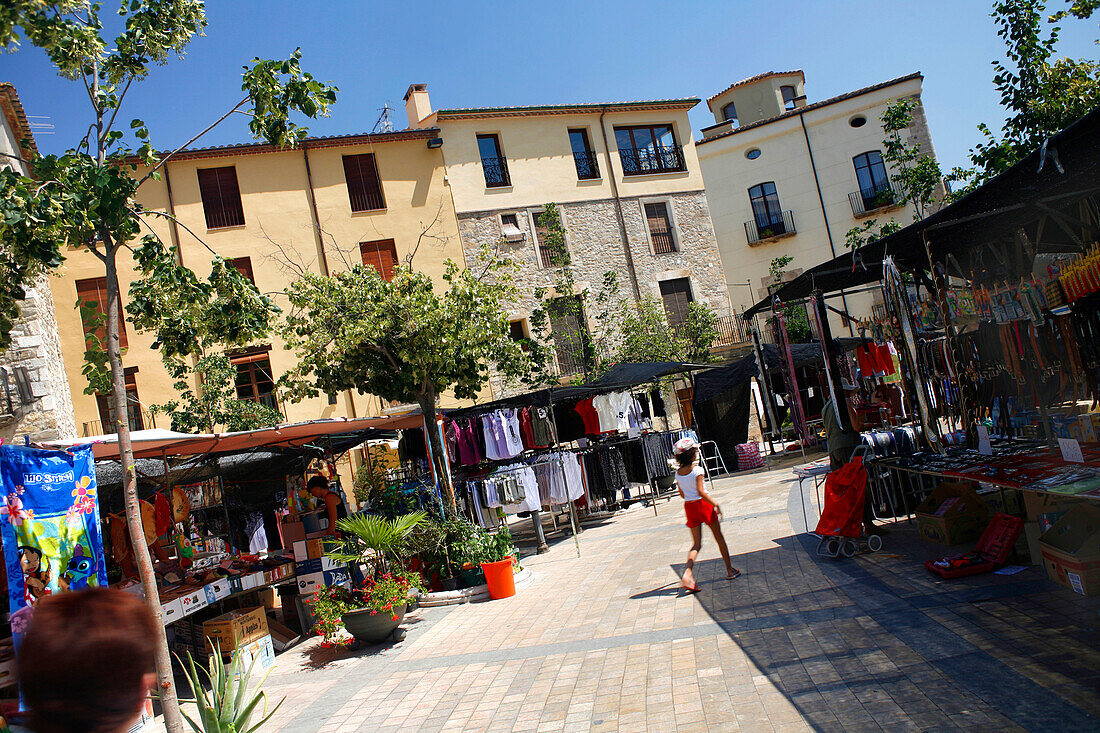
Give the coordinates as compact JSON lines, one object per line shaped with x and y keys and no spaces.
{"x":699,"y":508}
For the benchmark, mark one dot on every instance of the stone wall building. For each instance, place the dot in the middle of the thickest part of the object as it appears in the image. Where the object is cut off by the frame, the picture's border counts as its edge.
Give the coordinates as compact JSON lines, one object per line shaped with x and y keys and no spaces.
{"x":35,"y":400}
{"x":625,"y":179}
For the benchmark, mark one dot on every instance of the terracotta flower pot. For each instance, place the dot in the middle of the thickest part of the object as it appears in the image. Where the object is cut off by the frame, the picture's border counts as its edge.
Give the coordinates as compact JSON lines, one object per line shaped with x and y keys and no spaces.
{"x":373,"y":628}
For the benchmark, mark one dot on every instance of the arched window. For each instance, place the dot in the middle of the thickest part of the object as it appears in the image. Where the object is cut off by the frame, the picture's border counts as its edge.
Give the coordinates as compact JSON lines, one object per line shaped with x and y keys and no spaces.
{"x":788,"y":96}
{"x":874,"y":181}
{"x":765,"y":208}
{"x":729,"y":113}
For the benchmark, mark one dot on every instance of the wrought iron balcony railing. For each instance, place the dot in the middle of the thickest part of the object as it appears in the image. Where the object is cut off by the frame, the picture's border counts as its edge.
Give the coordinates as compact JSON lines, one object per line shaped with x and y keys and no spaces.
{"x":587,"y":166}
{"x":496,"y":172}
{"x":654,"y":159}
{"x":663,"y":242}
{"x":866,"y":201}
{"x":757,"y":230}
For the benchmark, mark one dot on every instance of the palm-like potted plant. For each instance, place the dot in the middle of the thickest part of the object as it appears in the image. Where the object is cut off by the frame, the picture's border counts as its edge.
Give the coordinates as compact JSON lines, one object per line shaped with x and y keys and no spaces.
{"x":373,"y":611}
{"x":226,"y":707}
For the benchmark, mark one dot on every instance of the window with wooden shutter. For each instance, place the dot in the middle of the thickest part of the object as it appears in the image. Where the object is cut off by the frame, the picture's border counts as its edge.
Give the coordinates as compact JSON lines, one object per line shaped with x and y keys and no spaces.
{"x":676,"y":295}
{"x":381,"y":255}
{"x":660,"y":228}
{"x":255,"y":382}
{"x":221,"y":197}
{"x":93,"y":292}
{"x":364,"y":187}
{"x":243,"y":265}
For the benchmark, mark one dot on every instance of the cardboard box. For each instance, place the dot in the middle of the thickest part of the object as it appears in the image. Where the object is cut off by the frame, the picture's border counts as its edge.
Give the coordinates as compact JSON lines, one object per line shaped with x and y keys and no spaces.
{"x":281,"y":636}
{"x":1071,"y":550}
{"x":306,"y":567}
{"x":337,"y":577}
{"x":235,"y":628}
{"x":259,"y":655}
{"x":309,"y":549}
{"x":253,"y":580}
{"x":291,"y":532}
{"x":194,"y":601}
{"x":311,"y":583}
{"x":1038,"y":504}
{"x":266,"y":597}
{"x":327,"y":563}
{"x":171,"y":611}
{"x":217,"y":590}
{"x":236,"y":584}
{"x":953,"y":513}
{"x":1009,"y":501}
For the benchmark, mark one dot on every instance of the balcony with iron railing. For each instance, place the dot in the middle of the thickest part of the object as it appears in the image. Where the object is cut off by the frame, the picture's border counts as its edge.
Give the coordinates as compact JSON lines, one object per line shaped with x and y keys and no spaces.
{"x":871,"y":200}
{"x":732,"y":330}
{"x":496,"y":172}
{"x":663,"y":243}
{"x":653,"y":159}
{"x":588,"y":168}
{"x":767,"y":228}
{"x":139,"y":419}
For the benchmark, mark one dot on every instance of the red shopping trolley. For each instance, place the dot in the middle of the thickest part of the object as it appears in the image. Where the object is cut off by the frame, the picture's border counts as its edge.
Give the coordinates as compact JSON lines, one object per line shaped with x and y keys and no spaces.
{"x":840,"y":529}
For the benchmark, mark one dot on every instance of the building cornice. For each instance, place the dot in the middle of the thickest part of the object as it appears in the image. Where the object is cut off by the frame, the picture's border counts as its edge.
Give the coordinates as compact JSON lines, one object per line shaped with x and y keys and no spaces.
{"x":17,"y":120}
{"x":680,"y":105}
{"x":313,"y":143}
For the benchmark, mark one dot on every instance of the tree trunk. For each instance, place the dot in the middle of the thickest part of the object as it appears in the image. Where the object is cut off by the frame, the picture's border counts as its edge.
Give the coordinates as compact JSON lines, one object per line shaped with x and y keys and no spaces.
{"x":439,"y":451}
{"x":173,"y":720}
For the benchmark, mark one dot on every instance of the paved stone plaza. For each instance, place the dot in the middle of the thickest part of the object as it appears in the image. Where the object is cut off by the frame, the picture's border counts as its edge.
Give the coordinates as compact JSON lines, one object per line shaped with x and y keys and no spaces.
{"x":606,"y":642}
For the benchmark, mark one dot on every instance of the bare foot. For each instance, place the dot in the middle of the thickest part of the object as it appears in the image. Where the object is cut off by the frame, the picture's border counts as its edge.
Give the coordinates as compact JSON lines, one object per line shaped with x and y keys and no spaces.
{"x":688,"y":582}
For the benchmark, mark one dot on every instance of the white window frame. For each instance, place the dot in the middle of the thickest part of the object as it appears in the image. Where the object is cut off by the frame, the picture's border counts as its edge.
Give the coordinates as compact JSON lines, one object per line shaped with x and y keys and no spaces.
{"x":519,"y":235}
{"x":674,"y":226}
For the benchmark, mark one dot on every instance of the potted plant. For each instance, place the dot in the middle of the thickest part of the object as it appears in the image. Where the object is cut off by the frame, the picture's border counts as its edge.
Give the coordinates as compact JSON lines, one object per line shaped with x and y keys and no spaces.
{"x":371,"y":613}
{"x":376,"y":541}
{"x":499,"y":564}
{"x":468,"y":549}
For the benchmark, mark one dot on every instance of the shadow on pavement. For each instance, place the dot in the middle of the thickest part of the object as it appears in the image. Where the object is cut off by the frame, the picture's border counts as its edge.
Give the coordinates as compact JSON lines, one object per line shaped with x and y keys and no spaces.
{"x":877,"y":641}
{"x":668,"y":589}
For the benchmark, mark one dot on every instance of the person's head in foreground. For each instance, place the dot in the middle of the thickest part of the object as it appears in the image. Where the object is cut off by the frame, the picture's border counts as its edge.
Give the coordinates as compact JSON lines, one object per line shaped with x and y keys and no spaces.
{"x":685,"y":451}
{"x":86,"y":662}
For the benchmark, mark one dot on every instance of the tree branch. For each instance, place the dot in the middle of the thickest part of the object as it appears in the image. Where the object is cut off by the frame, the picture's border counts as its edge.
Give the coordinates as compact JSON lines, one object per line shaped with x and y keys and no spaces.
{"x":118,"y":106}
{"x":186,"y":228}
{"x":166,"y":158}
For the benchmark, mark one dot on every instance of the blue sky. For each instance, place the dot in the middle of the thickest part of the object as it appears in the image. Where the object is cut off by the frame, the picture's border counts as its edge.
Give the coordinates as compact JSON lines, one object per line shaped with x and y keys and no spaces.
{"x":499,"y":53}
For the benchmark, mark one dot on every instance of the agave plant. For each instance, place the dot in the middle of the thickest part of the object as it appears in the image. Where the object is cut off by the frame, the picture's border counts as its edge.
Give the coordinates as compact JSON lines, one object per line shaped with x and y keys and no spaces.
{"x":225,"y":707}
{"x":374,"y":540}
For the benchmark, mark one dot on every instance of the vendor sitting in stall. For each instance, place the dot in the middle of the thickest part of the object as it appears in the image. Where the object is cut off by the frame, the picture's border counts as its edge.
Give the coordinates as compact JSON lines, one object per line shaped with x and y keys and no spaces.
{"x":334,"y":505}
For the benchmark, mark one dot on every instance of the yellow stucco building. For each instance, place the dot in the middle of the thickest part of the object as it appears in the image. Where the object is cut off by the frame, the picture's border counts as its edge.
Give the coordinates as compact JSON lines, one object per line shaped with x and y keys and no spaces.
{"x":322,"y":207}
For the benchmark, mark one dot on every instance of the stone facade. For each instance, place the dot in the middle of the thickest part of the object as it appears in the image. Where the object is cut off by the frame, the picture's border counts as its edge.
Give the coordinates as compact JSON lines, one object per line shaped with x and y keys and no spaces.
{"x":596,"y":247}
{"x":36,"y":348}
{"x":35,"y":400}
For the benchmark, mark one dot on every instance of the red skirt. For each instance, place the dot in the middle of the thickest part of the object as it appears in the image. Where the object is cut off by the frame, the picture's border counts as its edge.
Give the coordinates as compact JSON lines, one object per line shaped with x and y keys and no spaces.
{"x":699,"y":512}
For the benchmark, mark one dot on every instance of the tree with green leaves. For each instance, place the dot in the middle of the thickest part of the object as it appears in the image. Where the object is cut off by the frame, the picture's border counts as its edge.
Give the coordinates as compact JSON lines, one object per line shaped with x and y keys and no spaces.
{"x":402,"y":339}
{"x":1040,"y":92}
{"x":798,"y":324}
{"x":195,"y":322}
{"x":86,"y":196}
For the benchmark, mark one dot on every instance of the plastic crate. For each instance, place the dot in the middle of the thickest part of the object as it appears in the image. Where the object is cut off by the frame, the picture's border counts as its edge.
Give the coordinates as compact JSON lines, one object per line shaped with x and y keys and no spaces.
{"x":991,"y":551}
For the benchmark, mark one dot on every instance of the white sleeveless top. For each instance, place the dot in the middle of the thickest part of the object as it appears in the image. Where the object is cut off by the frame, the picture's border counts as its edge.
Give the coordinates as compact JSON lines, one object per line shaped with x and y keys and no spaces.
{"x":689,"y":484}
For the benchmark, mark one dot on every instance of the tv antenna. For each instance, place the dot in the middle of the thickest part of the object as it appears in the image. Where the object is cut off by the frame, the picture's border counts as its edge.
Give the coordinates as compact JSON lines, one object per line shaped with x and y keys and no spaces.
{"x":384,"y":123}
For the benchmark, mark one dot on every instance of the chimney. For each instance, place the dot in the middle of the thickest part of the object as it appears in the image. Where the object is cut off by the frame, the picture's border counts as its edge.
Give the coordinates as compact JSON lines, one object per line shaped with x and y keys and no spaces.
{"x":417,"y":105}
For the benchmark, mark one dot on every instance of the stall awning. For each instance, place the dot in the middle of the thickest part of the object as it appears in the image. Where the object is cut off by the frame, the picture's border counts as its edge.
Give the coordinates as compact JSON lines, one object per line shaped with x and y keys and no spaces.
{"x":156,"y":443}
{"x":632,"y":373}
{"x":716,"y":381}
{"x":1046,"y":186}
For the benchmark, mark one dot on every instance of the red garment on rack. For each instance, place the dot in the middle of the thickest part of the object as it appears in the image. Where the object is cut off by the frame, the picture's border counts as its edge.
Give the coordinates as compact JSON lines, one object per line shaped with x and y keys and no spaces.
{"x":526,"y":431}
{"x":588,"y":414}
{"x":885,"y":359}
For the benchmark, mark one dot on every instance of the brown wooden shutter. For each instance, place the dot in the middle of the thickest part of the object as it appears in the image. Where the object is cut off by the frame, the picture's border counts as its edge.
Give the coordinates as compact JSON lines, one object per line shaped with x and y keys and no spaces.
{"x":221,"y":197}
{"x":243,"y":265}
{"x":94,"y":290}
{"x":660,"y":229}
{"x":381,"y":255}
{"x":364,"y":187}
{"x":676,"y":295}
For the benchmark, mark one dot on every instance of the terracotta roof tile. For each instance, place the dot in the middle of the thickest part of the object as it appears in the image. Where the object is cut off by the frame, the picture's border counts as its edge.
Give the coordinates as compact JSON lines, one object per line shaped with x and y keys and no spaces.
{"x":758,"y":77}
{"x":559,"y":109}
{"x":808,"y":107}
{"x":17,"y":118}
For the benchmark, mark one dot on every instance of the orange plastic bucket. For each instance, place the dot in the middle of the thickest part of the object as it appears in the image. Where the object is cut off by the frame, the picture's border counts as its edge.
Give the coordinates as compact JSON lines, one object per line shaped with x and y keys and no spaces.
{"x":500,"y":578}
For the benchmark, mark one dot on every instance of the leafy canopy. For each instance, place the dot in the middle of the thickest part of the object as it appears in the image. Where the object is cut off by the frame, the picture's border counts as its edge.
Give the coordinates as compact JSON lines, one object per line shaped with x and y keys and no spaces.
{"x":399,"y":339}
{"x":1040,"y":92}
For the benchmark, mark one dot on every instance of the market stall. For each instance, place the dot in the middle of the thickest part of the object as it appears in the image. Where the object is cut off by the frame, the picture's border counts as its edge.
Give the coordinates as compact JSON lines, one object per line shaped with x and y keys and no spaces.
{"x":994,"y":305}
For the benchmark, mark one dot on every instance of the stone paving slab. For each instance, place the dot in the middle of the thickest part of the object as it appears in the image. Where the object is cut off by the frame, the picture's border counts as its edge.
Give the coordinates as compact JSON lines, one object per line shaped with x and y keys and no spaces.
{"x":607,"y":642}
